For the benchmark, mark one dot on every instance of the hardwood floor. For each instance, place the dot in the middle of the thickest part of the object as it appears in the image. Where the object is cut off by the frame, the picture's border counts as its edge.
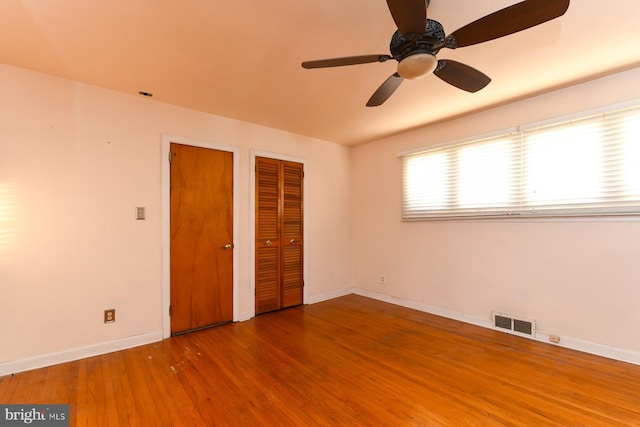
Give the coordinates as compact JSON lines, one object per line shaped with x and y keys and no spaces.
{"x":350,"y":361}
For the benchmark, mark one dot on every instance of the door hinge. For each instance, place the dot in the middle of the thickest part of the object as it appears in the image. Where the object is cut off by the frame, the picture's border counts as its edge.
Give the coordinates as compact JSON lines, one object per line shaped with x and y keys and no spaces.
{"x":170,"y":155}
{"x":170,"y":310}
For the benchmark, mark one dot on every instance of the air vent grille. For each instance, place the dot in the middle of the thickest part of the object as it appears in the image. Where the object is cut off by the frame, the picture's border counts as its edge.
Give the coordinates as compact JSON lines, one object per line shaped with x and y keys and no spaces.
{"x":522,"y":326}
{"x":502,"y":322}
{"x":513,"y":324}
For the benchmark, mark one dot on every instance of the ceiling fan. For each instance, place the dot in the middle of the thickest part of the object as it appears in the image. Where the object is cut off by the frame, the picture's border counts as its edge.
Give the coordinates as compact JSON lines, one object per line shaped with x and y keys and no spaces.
{"x":418,"y":39}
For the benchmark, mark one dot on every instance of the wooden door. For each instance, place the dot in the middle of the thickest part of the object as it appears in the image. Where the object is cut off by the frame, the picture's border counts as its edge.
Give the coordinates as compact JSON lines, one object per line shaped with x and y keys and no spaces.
{"x":201,"y":237}
{"x":279,"y":238}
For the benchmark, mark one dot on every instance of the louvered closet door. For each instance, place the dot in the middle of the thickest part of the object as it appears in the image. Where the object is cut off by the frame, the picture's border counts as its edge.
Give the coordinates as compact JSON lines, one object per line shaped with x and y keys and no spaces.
{"x":279,"y":240}
{"x":291,"y":234}
{"x":267,"y":235}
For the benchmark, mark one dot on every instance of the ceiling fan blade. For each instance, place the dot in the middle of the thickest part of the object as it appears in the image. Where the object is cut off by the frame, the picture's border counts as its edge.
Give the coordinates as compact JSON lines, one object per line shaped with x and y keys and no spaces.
{"x":410,"y":16}
{"x":349,"y":60}
{"x":509,"y":20}
{"x":461,"y":76}
{"x":385,"y":90}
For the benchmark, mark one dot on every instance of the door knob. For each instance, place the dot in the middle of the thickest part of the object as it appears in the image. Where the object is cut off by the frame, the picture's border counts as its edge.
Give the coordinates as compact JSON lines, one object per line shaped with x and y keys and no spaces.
{"x":227,"y":247}
{"x":268,"y":243}
{"x":293,"y":241}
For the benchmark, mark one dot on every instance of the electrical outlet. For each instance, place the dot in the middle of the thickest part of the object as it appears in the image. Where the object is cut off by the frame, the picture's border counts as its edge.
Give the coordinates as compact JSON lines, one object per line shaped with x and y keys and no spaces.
{"x":110,"y":315}
{"x":382,"y":279}
{"x":140,"y":213}
{"x":554,"y":339}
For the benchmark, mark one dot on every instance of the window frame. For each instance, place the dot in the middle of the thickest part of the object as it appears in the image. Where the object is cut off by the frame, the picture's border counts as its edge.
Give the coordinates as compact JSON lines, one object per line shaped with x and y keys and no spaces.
{"x":606,"y":206}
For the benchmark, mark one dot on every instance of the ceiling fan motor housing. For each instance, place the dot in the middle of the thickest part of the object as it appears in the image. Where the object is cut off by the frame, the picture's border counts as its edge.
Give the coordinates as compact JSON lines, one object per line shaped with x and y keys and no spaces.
{"x":402,"y":46}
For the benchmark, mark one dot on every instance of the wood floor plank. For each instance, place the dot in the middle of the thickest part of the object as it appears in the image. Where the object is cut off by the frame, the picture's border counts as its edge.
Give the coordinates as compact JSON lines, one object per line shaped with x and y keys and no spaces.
{"x":350,"y":361}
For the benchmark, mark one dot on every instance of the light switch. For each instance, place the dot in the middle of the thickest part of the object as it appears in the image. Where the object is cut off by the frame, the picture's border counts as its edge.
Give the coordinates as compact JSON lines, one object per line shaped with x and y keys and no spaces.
{"x":140,"y":213}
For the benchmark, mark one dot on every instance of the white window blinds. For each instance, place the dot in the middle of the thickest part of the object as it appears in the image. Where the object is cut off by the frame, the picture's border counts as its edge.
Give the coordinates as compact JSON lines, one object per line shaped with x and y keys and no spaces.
{"x":584,"y":166}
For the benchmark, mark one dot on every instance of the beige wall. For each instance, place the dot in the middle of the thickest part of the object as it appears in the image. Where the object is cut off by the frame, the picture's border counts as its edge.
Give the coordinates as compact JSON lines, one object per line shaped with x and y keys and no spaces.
{"x":577,"y":278}
{"x":75,"y":161}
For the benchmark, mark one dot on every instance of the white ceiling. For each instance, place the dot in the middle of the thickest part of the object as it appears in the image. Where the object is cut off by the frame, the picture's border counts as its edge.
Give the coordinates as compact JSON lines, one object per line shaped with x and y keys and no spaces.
{"x":241,"y":58}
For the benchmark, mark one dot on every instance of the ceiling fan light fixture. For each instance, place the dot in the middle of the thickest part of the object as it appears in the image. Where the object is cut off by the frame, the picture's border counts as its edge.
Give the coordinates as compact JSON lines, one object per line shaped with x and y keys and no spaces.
{"x":417,"y":65}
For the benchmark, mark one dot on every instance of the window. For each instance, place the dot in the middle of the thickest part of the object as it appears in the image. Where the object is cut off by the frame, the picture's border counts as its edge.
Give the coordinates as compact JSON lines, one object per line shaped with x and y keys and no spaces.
{"x":584,"y":166}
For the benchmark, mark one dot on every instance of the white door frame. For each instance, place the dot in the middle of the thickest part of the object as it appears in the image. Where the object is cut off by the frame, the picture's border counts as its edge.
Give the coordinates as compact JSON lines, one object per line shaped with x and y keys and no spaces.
{"x":166,"y":224}
{"x":252,"y":221}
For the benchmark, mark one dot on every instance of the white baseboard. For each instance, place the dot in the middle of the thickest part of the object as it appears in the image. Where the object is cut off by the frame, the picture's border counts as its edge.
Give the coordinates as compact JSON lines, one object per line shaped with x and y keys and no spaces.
{"x":331,"y":295}
{"x":566,"y":342}
{"x":78,"y":353}
{"x":138,"y":340}
{"x":592,"y":348}
{"x":449,"y":314}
